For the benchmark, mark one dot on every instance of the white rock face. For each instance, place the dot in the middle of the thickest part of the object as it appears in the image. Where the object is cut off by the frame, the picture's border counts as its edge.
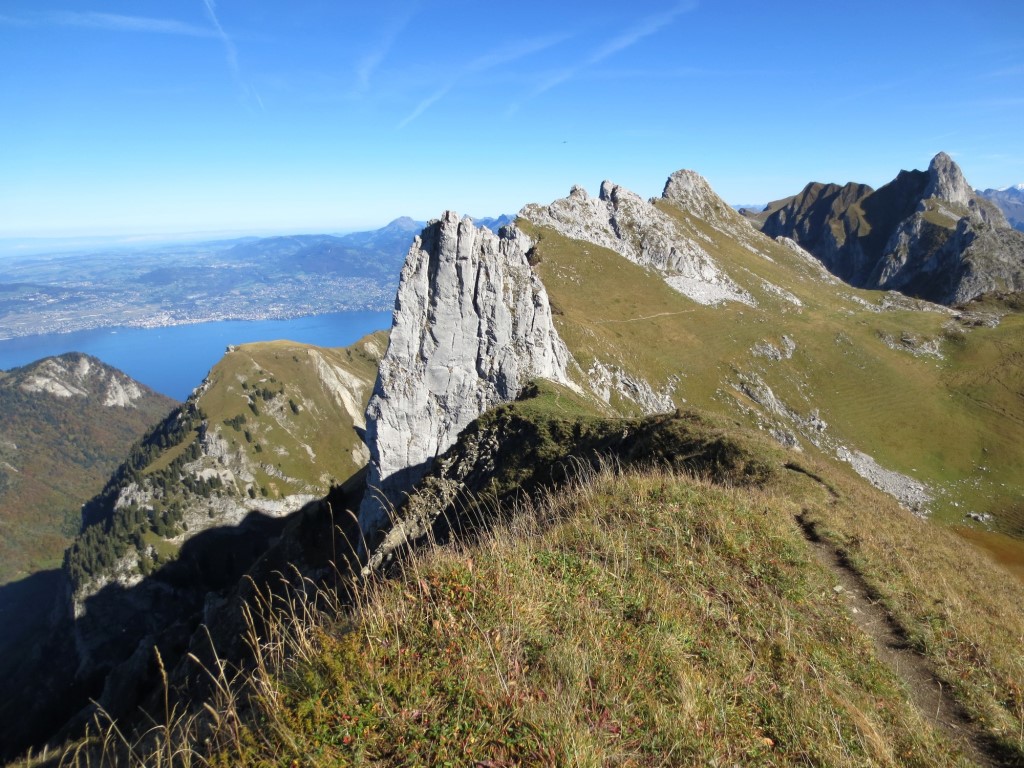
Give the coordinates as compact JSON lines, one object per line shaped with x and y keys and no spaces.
{"x":67,"y":377}
{"x":605,"y":380}
{"x":343,"y":386}
{"x":472,"y":325}
{"x":946,"y":181}
{"x":624,"y":222}
{"x":691,"y":192}
{"x":121,"y":394}
{"x":911,"y":493}
{"x":52,"y":386}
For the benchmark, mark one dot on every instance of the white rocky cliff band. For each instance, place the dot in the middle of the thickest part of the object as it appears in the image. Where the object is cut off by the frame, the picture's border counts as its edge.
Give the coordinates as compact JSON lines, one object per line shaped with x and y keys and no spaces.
{"x":472,"y":325}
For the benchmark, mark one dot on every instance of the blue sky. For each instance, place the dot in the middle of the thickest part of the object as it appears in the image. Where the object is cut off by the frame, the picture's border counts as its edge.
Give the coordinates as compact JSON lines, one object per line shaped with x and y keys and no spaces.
{"x":256,"y":116}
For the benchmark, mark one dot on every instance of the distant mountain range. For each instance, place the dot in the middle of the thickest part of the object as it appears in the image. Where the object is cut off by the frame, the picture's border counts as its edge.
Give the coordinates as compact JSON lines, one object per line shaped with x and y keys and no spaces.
{"x":1010,"y":201}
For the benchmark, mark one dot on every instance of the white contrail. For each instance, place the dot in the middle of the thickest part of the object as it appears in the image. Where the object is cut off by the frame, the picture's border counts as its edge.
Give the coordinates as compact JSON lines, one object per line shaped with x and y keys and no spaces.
{"x":482,"y":64}
{"x":111,"y":21}
{"x":231,"y":53}
{"x":645,"y":28}
{"x":229,"y":46}
{"x":369,"y":63}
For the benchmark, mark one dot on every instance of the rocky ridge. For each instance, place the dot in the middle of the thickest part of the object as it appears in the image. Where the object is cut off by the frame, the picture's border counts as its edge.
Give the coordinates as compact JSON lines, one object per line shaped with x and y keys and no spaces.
{"x":454,"y":324}
{"x":82,"y":376}
{"x":622,"y":221}
{"x":473,"y":324}
{"x":926,"y":234}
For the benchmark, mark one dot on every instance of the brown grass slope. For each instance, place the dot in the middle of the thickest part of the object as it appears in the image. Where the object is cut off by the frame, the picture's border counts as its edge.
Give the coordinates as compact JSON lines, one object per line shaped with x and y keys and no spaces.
{"x":633,"y":617}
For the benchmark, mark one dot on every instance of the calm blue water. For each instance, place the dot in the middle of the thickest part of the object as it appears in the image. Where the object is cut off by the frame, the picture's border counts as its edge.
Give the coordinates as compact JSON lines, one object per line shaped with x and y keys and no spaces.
{"x":175,"y":360}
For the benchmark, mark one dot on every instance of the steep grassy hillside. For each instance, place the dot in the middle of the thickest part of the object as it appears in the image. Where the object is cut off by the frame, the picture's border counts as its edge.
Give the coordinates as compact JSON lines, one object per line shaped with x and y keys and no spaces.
{"x":881,"y":381}
{"x":703,"y":611}
{"x":63,"y":429}
{"x":271,"y":428}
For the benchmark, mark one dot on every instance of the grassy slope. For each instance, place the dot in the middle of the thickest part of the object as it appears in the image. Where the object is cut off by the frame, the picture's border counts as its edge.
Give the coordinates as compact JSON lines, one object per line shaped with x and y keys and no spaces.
{"x":294,"y":442}
{"x":934,"y":420}
{"x":641,"y":618}
{"x":658,"y":620}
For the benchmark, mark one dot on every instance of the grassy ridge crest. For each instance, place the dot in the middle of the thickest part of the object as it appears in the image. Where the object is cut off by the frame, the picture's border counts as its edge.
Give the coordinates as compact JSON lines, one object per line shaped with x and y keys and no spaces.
{"x":634,"y":615}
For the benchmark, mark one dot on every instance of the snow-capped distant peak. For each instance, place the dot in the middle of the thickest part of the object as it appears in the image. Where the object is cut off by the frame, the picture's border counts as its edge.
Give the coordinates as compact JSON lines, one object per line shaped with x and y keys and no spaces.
{"x":1018,"y":187}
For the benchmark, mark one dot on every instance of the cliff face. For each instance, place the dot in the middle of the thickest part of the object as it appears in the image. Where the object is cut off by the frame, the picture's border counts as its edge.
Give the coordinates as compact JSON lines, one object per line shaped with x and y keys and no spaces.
{"x":472,"y":325}
{"x":926,"y":234}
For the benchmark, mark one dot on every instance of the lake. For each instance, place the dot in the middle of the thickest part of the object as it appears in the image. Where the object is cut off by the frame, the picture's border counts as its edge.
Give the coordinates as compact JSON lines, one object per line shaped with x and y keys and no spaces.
{"x":174,"y":360}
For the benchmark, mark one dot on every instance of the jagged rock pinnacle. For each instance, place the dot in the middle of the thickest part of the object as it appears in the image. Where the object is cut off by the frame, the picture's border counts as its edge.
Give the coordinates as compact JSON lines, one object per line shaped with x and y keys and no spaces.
{"x":946,"y":181}
{"x":472,"y":325}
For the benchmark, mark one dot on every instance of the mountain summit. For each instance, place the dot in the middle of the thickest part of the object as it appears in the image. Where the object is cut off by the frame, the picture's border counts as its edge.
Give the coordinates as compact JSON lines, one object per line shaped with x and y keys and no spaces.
{"x":925,"y":233}
{"x":65,"y":423}
{"x":946,"y":181}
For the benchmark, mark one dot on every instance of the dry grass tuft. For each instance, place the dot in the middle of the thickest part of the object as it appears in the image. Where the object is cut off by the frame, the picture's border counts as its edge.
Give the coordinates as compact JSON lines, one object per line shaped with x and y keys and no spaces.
{"x":629,"y":618}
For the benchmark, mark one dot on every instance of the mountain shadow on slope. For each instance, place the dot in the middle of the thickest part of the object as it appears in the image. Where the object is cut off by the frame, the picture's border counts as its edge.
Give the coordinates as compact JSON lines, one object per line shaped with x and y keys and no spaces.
{"x":49,"y":688}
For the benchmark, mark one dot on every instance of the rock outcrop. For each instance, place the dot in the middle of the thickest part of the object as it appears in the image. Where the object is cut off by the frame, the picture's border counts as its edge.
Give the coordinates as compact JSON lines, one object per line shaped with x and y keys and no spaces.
{"x":946,"y":181}
{"x":926,"y":234}
{"x":472,"y":325}
{"x":78,"y":375}
{"x":691,"y":192}
{"x":622,"y":221}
